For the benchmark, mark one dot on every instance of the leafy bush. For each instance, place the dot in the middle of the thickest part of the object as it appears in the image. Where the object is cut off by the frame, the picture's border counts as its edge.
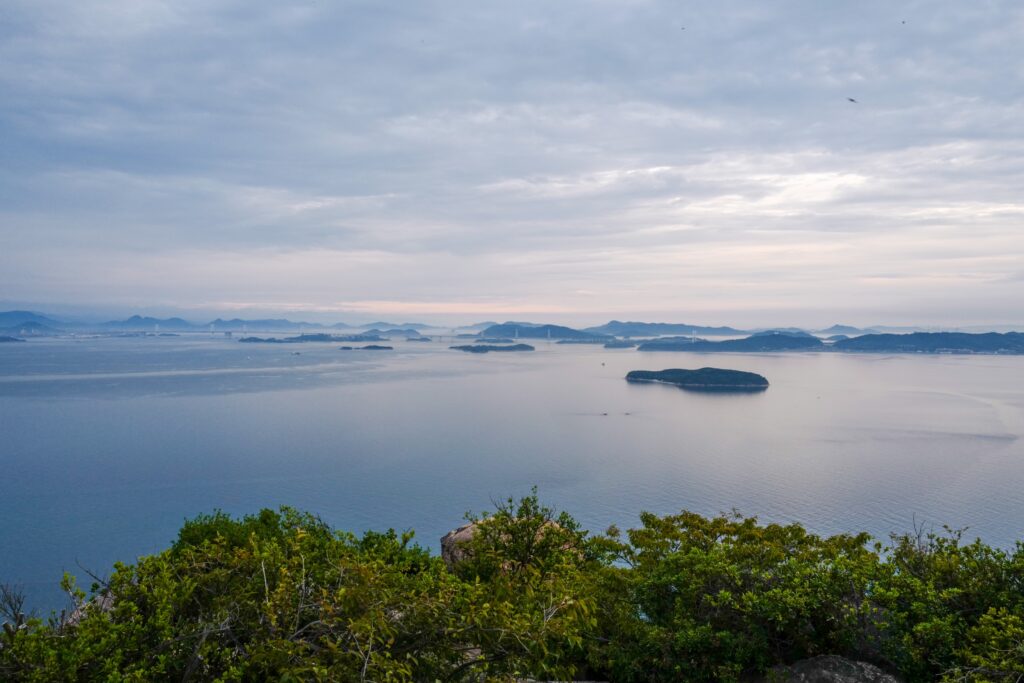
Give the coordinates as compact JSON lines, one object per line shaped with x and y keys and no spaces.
{"x":281,"y":596}
{"x":710,"y":599}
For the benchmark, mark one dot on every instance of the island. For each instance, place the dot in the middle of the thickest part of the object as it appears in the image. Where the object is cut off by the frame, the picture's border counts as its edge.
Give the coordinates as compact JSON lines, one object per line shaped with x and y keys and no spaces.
{"x":368,"y":347}
{"x":704,"y":379}
{"x":485,"y":348}
{"x":796,"y":340}
{"x":620,"y":344}
{"x":10,"y":339}
{"x":759,"y":343}
{"x":390,"y":333}
{"x":309,"y":338}
{"x":935,"y":342}
{"x":637,"y":329}
{"x":534,"y":331}
{"x":363,"y":337}
{"x":301,"y":339}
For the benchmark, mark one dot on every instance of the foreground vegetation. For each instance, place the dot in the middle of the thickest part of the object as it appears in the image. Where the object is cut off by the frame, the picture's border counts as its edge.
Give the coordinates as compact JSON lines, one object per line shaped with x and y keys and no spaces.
{"x":281,"y":596}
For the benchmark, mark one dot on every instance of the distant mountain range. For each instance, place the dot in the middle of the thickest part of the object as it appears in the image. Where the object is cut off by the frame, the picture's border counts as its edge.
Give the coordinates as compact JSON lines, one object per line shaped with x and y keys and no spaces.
{"x":10,"y":318}
{"x":660,"y":335}
{"x":848,"y":330}
{"x":27,"y":322}
{"x":785,"y":332}
{"x":636,"y":329}
{"x":516,"y":330}
{"x":379,"y":324}
{"x":935,"y":342}
{"x":32,"y":323}
{"x":916,"y":342}
{"x":266,"y":324}
{"x":753,"y":344}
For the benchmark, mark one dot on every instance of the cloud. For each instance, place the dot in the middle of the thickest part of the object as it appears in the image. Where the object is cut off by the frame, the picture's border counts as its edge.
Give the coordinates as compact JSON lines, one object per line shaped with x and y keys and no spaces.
{"x":588,"y":157}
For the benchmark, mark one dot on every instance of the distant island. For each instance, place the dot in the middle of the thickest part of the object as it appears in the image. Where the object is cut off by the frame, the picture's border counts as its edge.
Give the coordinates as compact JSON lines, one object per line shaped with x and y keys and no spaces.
{"x":391,"y":326}
{"x":485,"y":348}
{"x":394,"y":332}
{"x":704,"y":379}
{"x":302,"y":339}
{"x":371,"y":336}
{"x":265,"y":324}
{"x":934,"y":342}
{"x":785,"y":331}
{"x":10,"y":339}
{"x":309,"y":338}
{"x":637,"y":329}
{"x":916,"y":342}
{"x":846,"y":330}
{"x":368,"y":347}
{"x":759,"y":343}
{"x":531,"y":331}
{"x":39,"y":324}
{"x":615,"y":334}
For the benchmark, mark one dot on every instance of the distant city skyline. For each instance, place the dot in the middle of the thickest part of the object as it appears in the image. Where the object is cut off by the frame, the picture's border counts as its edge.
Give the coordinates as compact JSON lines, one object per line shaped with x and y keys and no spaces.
{"x":794,"y":163}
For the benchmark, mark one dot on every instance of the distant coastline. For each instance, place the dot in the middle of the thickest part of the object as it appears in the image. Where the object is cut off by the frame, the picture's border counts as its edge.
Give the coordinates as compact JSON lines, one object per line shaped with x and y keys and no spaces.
{"x":645,"y":336}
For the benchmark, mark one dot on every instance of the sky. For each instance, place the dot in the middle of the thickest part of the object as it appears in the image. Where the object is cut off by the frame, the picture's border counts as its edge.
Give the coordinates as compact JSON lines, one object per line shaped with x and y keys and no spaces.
{"x":553,"y":161}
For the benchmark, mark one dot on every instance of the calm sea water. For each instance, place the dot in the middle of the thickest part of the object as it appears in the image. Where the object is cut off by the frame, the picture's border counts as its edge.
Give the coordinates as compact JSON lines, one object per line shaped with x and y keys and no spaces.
{"x":107,"y":445}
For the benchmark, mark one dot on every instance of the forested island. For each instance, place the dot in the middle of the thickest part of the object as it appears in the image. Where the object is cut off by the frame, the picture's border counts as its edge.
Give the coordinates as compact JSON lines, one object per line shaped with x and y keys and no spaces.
{"x":4,"y":339}
{"x":487,"y":348}
{"x":526,"y":594}
{"x":313,"y":338}
{"x":704,"y":379}
{"x":532,"y":331}
{"x":639,"y":329}
{"x":935,"y":342}
{"x":758,"y":343}
{"x":916,"y":342}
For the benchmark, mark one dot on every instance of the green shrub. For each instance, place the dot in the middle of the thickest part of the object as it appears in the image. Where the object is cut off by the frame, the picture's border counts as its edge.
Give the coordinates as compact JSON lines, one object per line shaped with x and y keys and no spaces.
{"x":281,"y":596}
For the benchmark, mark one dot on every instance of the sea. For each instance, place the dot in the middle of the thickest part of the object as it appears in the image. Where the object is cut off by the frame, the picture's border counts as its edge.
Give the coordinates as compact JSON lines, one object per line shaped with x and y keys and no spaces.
{"x":108,"y":444}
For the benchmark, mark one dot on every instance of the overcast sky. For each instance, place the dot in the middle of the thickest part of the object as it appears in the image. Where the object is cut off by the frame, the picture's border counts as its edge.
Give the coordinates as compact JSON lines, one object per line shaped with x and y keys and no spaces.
{"x":569,"y":160}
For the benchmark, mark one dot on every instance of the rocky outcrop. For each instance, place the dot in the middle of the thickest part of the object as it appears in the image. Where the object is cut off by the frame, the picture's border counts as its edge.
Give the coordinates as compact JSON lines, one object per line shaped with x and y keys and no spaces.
{"x":453,"y":544}
{"x":827,"y":669}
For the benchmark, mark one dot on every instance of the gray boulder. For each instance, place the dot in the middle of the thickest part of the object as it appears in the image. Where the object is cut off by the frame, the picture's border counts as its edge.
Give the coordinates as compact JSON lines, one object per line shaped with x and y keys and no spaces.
{"x":453,"y":550}
{"x":827,"y":669}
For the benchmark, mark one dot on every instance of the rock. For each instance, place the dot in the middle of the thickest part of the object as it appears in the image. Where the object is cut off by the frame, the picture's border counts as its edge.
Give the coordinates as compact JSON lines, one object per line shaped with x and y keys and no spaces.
{"x":453,"y":542}
{"x":104,"y":602}
{"x":827,"y":669}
